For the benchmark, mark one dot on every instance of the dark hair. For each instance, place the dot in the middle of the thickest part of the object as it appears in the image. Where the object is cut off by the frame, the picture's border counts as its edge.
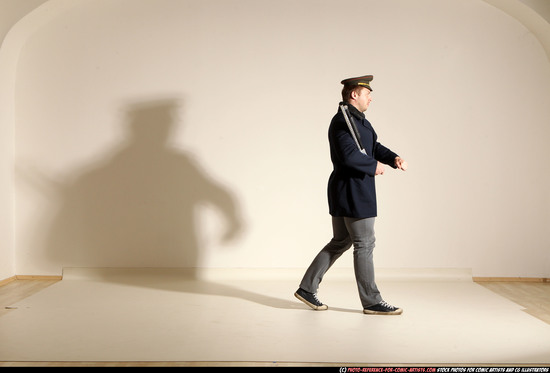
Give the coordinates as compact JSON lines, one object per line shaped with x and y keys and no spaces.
{"x":348,"y":90}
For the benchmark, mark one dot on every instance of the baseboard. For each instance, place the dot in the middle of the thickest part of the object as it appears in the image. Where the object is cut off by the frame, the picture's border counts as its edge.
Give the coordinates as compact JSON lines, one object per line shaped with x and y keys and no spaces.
{"x":7,"y":280}
{"x":37,"y":277}
{"x":511,"y":279}
{"x":29,"y":277}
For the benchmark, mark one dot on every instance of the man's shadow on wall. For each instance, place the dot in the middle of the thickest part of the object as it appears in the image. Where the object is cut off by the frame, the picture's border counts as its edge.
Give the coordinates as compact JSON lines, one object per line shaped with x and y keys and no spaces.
{"x":138,"y":206}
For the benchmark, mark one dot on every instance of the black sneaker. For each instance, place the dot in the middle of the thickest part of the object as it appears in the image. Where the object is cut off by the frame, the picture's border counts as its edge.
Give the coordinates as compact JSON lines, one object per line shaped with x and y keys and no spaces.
{"x":310,"y":299}
{"x":383,"y":308}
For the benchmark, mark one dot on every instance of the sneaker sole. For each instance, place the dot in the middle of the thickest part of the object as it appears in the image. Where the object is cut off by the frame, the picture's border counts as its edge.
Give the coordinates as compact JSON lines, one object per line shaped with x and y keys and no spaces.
{"x":398,"y":311}
{"x":316,"y":308}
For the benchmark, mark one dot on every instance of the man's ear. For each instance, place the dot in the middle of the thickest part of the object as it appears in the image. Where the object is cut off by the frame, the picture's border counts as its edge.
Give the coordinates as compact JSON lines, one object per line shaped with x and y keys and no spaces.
{"x":354,"y":94}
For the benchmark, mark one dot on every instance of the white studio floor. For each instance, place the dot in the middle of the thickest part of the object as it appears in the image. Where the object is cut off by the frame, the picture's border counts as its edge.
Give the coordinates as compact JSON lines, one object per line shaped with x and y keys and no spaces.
{"x":160,"y":315}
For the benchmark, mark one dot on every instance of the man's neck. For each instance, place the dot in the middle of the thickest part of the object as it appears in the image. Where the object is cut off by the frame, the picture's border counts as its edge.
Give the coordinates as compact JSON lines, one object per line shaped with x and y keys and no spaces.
{"x":355,"y":110}
{"x":354,"y":105}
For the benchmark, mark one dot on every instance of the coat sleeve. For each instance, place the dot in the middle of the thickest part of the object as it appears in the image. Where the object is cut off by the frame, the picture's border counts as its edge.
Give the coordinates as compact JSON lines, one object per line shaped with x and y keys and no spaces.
{"x":346,"y":151}
{"x":384,"y":155}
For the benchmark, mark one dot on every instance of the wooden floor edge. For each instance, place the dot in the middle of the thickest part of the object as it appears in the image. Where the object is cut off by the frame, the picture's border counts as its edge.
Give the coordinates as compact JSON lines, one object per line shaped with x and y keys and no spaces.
{"x":29,"y":277}
{"x":7,"y":280}
{"x":38,"y":277}
{"x":511,"y":279}
{"x":475,"y":279}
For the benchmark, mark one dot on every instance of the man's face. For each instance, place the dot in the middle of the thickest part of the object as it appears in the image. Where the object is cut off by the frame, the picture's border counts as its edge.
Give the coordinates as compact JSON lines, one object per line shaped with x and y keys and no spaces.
{"x":362,"y":99}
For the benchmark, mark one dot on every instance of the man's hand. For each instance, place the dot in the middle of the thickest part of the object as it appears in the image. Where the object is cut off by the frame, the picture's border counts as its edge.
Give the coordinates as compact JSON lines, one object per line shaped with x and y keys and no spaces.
{"x":379,"y":169}
{"x":401,"y":164}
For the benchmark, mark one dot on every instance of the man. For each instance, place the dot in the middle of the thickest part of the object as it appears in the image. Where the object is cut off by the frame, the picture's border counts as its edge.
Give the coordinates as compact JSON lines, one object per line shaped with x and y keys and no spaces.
{"x":352,"y":199}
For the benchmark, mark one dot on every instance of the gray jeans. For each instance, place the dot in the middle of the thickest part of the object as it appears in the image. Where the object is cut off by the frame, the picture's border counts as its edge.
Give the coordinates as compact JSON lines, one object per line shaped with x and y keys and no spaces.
{"x":348,"y":231}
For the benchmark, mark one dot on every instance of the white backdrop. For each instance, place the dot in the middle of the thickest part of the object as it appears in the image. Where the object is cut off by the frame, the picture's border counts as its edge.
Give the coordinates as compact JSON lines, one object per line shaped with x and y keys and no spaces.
{"x":146,"y":130}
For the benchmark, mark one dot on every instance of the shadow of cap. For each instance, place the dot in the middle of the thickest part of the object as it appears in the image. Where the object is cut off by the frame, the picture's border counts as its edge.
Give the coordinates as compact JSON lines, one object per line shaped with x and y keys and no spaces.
{"x":152,"y":119}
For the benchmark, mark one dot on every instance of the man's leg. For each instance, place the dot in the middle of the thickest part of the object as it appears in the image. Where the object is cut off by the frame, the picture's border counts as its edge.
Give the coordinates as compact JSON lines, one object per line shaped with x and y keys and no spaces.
{"x":362,"y":236}
{"x":339,"y":243}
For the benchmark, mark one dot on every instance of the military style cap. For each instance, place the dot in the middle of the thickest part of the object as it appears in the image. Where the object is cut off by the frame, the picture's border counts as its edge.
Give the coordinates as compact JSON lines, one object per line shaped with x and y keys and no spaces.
{"x":363,"y":81}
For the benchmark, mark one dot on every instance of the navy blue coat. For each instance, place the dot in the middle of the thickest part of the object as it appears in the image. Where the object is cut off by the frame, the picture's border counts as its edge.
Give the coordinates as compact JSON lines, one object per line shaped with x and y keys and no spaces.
{"x":351,"y":187}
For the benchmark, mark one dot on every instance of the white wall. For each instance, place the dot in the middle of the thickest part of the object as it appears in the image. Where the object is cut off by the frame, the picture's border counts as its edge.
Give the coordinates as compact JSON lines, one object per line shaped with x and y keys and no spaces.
{"x":11,"y":11}
{"x":7,"y":254}
{"x":460,"y":91}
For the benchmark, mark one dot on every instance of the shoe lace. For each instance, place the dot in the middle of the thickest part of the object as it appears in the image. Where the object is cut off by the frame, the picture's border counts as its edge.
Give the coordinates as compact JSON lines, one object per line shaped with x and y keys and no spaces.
{"x":387,"y":305}
{"x":316,"y":299}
